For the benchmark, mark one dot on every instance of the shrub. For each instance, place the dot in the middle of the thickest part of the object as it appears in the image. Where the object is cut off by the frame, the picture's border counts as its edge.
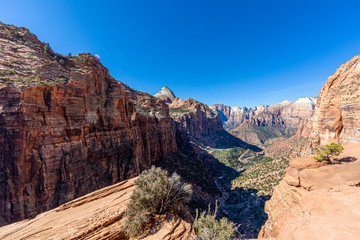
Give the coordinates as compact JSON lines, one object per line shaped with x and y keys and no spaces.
{"x":62,"y":62}
{"x":327,"y":152}
{"x":156,"y":193}
{"x":207,"y":227}
{"x":46,"y":48}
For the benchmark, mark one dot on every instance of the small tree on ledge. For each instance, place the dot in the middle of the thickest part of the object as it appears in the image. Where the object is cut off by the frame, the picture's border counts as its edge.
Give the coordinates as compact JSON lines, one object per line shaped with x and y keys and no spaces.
{"x":326,"y":153}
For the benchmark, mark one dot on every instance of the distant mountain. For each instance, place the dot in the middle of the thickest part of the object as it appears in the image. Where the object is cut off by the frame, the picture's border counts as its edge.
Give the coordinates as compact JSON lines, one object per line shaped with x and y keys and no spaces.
{"x":165,"y":94}
{"x":258,"y":124}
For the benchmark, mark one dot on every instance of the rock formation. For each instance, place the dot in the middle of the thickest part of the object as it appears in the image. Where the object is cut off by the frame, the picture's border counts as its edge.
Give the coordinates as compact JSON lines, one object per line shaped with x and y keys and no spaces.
{"x":165,"y":94}
{"x":199,"y":123}
{"x":69,"y":128}
{"x":194,"y":117}
{"x":317,"y":201}
{"x":258,"y":124}
{"x":98,"y":215}
{"x":337,"y":117}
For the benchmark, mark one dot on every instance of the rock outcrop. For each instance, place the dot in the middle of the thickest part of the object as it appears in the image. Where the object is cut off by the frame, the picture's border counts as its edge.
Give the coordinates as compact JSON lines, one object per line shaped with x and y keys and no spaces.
{"x":195,"y":118}
{"x":165,"y":94}
{"x":192,"y":117}
{"x":68,"y":127}
{"x":317,"y":201}
{"x":337,"y":117}
{"x":98,"y":215}
{"x":258,"y":124}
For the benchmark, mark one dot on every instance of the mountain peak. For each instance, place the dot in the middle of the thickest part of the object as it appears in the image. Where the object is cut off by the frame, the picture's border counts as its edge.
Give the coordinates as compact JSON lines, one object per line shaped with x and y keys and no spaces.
{"x":165,"y":94}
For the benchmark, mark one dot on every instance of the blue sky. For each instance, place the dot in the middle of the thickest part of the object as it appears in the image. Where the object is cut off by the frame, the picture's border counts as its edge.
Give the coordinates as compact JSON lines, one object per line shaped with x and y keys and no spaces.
{"x":239,"y":53}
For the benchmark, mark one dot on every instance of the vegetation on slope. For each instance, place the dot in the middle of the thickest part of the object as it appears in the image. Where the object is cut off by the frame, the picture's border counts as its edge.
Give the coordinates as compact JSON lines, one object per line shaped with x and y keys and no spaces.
{"x":156,"y":193}
{"x":256,"y":171}
{"x":207,"y":226}
{"x":262,"y":176}
{"x":259,"y":134}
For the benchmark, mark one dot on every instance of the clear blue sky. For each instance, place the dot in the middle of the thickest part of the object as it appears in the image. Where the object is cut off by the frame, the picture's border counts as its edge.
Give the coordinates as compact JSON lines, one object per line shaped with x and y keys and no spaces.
{"x":240,"y":52}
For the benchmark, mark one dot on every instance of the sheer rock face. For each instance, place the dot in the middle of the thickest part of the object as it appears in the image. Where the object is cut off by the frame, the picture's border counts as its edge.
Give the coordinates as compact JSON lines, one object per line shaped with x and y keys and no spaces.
{"x":317,"y":201}
{"x":337,"y":117}
{"x":98,"y":215}
{"x":260,"y":123}
{"x":194,"y":117}
{"x":61,"y":141}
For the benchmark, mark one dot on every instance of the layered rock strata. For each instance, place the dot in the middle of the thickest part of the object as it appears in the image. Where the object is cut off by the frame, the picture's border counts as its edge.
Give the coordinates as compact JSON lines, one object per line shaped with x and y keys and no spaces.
{"x":68,"y":127}
{"x":99,"y":215}
{"x":337,"y":117}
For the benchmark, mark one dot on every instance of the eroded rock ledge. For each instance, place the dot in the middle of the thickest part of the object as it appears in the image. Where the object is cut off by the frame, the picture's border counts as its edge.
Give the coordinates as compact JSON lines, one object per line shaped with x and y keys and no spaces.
{"x":317,"y":201}
{"x":98,"y":215}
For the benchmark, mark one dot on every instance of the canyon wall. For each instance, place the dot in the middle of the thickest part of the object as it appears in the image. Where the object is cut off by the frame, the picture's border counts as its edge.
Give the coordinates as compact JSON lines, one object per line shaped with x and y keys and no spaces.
{"x":315,"y":200}
{"x":337,"y":117}
{"x":69,"y":128}
{"x":192,"y":117}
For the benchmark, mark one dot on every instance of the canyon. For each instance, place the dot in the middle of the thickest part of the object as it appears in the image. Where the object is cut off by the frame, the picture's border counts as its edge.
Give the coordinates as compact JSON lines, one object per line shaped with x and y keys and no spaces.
{"x":74,"y":139}
{"x":69,"y":128}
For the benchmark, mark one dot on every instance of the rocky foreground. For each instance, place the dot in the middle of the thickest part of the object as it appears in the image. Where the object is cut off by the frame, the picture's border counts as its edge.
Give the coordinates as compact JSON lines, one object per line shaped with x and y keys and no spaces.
{"x":98,"y":215}
{"x":317,"y":201}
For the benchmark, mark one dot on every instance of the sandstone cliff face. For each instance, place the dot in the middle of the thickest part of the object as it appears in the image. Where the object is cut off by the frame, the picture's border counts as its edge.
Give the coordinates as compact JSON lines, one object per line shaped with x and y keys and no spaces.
{"x":316,"y":201}
{"x":69,"y":128}
{"x":337,"y":117}
{"x":195,"y":118}
{"x":258,"y":124}
{"x":99,"y":215}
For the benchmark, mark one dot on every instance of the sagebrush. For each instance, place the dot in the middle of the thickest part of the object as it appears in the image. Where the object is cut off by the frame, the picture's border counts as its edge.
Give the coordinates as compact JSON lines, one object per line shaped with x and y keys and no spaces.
{"x":207,"y":227}
{"x":156,"y":193}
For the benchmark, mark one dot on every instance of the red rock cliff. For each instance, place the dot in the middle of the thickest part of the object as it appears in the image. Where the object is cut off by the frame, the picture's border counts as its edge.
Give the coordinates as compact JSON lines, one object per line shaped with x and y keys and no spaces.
{"x":337,"y":117}
{"x":192,"y":117}
{"x":69,"y":128}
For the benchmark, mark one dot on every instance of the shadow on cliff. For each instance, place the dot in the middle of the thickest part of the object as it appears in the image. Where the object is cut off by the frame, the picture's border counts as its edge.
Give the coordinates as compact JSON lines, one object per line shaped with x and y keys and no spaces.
{"x":223,"y":140}
{"x":241,"y":206}
{"x":211,"y":182}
